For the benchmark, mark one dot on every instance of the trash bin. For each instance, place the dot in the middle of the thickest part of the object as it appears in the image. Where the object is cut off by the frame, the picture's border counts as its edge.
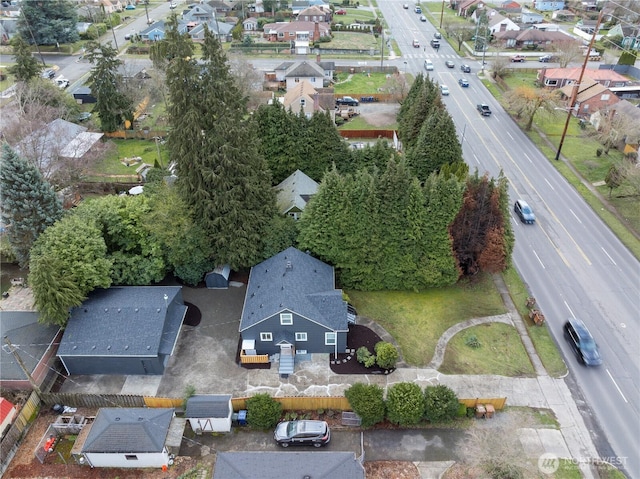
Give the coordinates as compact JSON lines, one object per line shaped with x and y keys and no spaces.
{"x":480,"y":411}
{"x":242,"y":417}
{"x":490,"y":411}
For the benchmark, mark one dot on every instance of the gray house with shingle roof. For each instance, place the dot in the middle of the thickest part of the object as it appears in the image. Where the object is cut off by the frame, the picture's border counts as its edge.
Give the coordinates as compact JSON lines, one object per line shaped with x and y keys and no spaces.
{"x":293,"y":307}
{"x":294,"y":192}
{"x":209,"y":413}
{"x":123,"y":330}
{"x":128,"y":437}
{"x":276,"y":465}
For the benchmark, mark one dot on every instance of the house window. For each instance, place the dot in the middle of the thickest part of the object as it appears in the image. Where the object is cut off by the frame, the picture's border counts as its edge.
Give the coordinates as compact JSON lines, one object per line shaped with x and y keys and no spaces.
{"x":301,"y":336}
{"x":280,"y":34}
{"x":604,"y":97}
{"x":131,"y":457}
{"x":303,"y":102}
{"x":286,"y":319}
{"x":266,"y":337}
{"x":551,"y":82}
{"x":329,"y":339}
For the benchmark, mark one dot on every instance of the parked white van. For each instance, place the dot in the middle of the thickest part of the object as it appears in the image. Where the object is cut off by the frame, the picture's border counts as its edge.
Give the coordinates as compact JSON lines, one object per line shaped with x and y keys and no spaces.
{"x":428,"y":65}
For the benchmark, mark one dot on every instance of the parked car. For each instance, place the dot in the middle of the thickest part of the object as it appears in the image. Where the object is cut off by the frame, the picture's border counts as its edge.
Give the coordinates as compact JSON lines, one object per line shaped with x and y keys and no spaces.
{"x":416,"y":43}
{"x":423,"y":18}
{"x":302,"y":433}
{"x":347,"y":100}
{"x":518,"y":58}
{"x":463,"y":82}
{"x":130,"y":7}
{"x":342,"y":11}
{"x":449,"y":64}
{"x":437,"y":35}
{"x":428,"y":65}
{"x":465,"y":68}
{"x":524,"y":212}
{"x":582,"y":342}
{"x":172,"y":5}
{"x":444,"y":90}
{"x":48,"y":74}
{"x":84,"y":116}
{"x":546,"y":58}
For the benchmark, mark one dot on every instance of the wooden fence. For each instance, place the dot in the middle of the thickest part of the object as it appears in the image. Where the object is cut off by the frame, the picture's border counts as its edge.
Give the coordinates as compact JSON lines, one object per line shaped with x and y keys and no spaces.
{"x":301,"y":403}
{"x":367,"y":134}
{"x":254,"y":359}
{"x":143,"y":134}
{"x":9,"y":443}
{"x":497,"y":403}
{"x":92,"y":400}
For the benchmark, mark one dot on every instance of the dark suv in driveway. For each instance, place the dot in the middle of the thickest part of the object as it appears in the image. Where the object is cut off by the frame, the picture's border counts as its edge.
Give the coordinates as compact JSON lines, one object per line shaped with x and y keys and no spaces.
{"x":302,"y":433}
{"x":582,"y":343}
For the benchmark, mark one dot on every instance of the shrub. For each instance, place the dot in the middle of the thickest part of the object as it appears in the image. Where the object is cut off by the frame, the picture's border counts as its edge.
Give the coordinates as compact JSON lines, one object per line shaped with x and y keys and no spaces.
{"x":364,"y":356}
{"x":405,"y":404}
{"x":263,"y":412}
{"x":472,"y":341}
{"x":367,"y":401}
{"x":502,"y":470}
{"x":441,"y":403}
{"x":386,"y":355}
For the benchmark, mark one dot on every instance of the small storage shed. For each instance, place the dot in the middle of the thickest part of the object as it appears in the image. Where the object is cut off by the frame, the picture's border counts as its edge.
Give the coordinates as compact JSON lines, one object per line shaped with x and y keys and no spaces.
{"x":218,"y":278}
{"x":209,"y":413}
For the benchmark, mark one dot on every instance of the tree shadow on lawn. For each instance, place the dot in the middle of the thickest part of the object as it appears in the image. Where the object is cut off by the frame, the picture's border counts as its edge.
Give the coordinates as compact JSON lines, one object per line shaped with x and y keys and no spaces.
{"x":347,"y":363}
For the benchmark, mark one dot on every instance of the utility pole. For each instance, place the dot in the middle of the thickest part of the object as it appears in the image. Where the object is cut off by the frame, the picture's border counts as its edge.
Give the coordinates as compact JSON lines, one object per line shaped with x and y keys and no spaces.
{"x":441,"y":14}
{"x":382,"y":50}
{"x":12,"y":350}
{"x":576,"y":86}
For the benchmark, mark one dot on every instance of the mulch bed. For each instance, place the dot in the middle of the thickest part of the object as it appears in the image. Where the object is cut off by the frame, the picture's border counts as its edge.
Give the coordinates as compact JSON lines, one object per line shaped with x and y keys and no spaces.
{"x":193,"y":316}
{"x":346,"y":363}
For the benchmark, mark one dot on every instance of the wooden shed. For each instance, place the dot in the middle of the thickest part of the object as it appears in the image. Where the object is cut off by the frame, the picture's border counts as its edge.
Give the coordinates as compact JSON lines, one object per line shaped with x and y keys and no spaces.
{"x":209,"y":413}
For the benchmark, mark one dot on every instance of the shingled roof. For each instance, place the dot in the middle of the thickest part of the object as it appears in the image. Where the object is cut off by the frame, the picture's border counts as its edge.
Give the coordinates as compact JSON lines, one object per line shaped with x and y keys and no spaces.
{"x":131,"y":321}
{"x":294,"y":281}
{"x":208,"y":405}
{"x":128,"y":430}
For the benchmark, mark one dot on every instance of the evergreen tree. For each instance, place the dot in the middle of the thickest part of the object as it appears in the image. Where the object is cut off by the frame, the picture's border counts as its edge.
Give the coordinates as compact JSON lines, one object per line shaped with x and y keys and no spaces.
{"x":113,"y":106}
{"x":437,"y":145}
{"x":221,"y":174}
{"x":324,"y":146}
{"x":26,"y":66}
{"x":370,"y":157}
{"x":428,"y":101}
{"x":68,"y":261}
{"x":29,"y":204}
{"x":52,"y":22}
{"x":276,"y":129}
{"x":404,"y":114}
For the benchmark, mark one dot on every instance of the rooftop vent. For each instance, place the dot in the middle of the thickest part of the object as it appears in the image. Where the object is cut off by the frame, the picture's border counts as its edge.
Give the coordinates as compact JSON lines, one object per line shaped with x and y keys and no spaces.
{"x":158,"y":310}
{"x":119,"y":310}
{"x":136,"y":310}
{"x":116,"y":418}
{"x":106,"y":309}
{"x":289,"y":265}
{"x":109,"y":347}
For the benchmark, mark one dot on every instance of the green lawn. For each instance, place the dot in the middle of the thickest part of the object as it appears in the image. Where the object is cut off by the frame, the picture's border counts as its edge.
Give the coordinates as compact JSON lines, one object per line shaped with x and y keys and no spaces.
{"x":353,"y":40}
{"x":359,"y":83}
{"x":111,"y":164}
{"x":500,"y":352}
{"x":417,"y":319}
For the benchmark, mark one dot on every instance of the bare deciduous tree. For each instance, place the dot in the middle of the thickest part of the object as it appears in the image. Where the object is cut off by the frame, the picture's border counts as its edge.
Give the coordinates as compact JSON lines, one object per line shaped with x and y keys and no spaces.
{"x":500,"y":66}
{"x":248,"y":79}
{"x":527,"y":102}
{"x":567,"y":51}
{"x":397,"y":86}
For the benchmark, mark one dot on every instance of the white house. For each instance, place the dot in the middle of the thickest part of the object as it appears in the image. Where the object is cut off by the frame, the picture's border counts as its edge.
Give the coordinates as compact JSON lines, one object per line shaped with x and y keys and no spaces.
{"x":209,"y":413}
{"x":129,"y":437}
{"x":500,"y":23}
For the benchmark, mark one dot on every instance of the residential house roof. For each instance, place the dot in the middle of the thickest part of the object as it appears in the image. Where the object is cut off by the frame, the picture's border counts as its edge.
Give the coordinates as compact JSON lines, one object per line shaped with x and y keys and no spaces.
{"x":289,"y":66}
{"x":510,"y":6}
{"x":295,"y":191}
{"x":304,"y":69}
{"x":313,"y":12}
{"x":587,"y":89}
{"x":275,"y":465}
{"x":128,"y":430}
{"x":127,"y":320}
{"x":199,"y":13}
{"x":573,"y":74}
{"x":533,"y":35}
{"x":295,"y":281}
{"x":273,"y":28}
{"x":7,"y":409}
{"x":629,"y":109}
{"x":208,"y":405}
{"x":80,"y":145}
{"x":31,"y":337}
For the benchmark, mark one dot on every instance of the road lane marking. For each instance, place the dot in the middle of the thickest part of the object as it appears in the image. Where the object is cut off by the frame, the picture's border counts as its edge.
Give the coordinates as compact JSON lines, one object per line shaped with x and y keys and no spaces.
{"x":539,"y":260}
{"x":550,"y":186}
{"x":510,"y":135}
{"x":476,"y":158}
{"x":608,"y":256}
{"x":567,"y":305}
{"x":616,"y":385}
{"x":575,"y":215}
{"x":528,"y":158}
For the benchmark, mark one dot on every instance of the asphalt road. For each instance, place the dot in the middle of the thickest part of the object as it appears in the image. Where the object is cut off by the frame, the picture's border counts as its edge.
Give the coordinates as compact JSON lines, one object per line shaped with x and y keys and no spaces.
{"x":572,"y":263}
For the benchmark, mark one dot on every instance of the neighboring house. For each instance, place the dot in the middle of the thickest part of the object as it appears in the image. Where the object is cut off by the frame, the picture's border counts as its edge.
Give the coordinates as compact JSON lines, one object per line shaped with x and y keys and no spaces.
{"x":8,"y":28}
{"x":156,"y":31}
{"x":11,"y":11}
{"x":111,"y":6}
{"x":500,"y":23}
{"x":209,"y":413}
{"x":56,"y":141}
{"x":510,"y":7}
{"x":82,"y":95}
{"x":314,"y":14}
{"x":548,"y":5}
{"x":294,"y":192}
{"x":199,"y":13}
{"x":302,"y":99}
{"x":591,"y":97}
{"x":36,"y":343}
{"x":531,"y":36}
{"x":276,"y":465}
{"x":587,"y":26}
{"x":221,"y":30}
{"x":563,"y":15}
{"x":130,"y":437}
{"x":559,"y":77}
{"x":316,"y":73}
{"x":296,"y":31}
{"x":293,"y":307}
{"x":529,"y":17}
{"x":630,"y":36}
{"x":221,"y":7}
{"x":7,"y":413}
{"x":464,"y":7}
{"x":250,"y":24}
{"x":631,"y":115}
{"x":123,"y":330}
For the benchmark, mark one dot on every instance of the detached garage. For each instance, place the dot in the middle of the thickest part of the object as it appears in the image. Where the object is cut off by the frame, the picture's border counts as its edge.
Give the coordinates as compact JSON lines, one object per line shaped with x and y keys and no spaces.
{"x":123,"y":330}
